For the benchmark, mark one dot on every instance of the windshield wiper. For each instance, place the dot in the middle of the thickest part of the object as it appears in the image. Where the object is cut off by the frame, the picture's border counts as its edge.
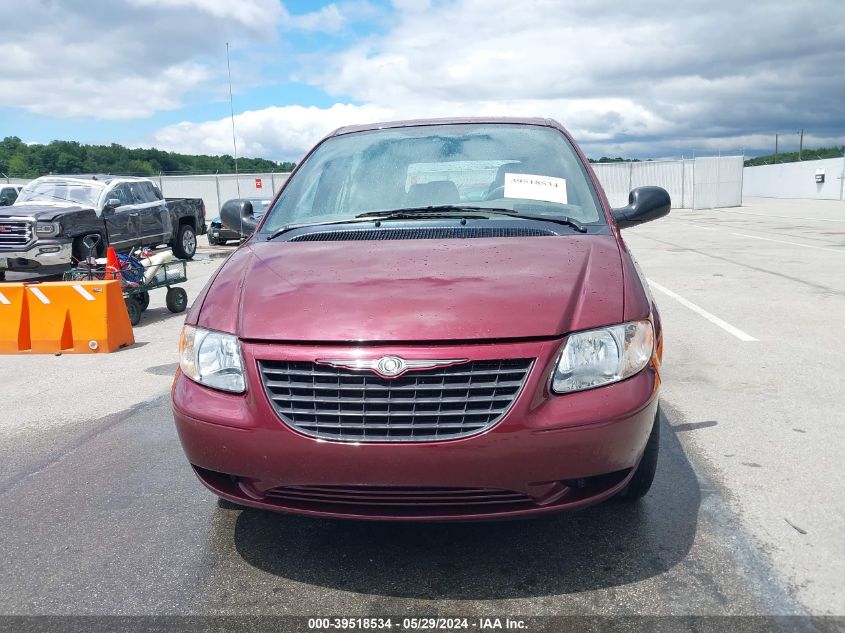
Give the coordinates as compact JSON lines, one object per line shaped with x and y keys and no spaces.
{"x":435,"y":211}
{"x":562,"y":219}
{"x":450,"y":208}
{"x":396,"y":214}
{"x":424,"y":211}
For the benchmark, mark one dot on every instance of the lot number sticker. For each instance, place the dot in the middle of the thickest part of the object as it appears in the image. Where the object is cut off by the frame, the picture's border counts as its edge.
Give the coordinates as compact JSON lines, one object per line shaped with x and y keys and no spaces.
{"x":531,"y":187}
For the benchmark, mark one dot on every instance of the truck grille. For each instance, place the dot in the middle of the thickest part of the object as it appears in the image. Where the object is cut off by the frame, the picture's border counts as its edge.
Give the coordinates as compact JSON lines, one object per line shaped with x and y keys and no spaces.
{"x":419,"y":406}
{"x":15,"y":234}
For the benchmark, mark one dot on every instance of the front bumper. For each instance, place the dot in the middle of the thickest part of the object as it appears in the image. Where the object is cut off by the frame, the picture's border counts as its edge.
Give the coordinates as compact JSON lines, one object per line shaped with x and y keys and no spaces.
{"x":218,"y":232}
{"x":548,"y":453}
{"x":42,"y":254}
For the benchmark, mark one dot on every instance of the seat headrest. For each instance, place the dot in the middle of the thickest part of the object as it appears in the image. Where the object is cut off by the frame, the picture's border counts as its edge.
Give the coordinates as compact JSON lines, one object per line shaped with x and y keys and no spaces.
{"x":433,"y":193}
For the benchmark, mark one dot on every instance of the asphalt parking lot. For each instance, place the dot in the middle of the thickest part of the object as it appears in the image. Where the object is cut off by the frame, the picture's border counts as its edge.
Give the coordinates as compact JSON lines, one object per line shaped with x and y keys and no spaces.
{"x":101,"y":514}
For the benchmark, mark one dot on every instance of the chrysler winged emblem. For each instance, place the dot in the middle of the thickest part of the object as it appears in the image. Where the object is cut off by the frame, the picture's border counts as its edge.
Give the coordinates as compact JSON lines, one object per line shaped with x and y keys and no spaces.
{"x":390,"y":366}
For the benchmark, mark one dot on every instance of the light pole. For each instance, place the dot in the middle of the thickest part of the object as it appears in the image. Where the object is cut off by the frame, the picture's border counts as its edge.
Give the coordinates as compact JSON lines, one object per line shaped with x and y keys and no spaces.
{"x":232,"y":111}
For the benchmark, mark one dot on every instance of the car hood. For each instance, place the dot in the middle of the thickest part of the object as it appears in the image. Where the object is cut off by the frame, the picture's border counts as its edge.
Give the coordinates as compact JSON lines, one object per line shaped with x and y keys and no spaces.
{"x":416,"y":290}
{"x":42,"y":211}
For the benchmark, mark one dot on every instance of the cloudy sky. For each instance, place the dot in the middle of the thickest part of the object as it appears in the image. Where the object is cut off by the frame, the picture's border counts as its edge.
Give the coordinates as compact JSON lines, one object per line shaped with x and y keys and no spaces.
{"x":644,"y":79}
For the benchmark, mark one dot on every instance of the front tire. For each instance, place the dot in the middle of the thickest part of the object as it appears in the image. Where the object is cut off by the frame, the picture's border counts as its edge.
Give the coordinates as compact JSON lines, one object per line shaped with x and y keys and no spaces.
{"x":185,"y":245}
{"x":644,"y":474}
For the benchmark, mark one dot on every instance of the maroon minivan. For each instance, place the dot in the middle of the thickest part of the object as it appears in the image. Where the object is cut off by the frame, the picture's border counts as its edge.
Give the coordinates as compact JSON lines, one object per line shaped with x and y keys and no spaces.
{"x":433,"y":320}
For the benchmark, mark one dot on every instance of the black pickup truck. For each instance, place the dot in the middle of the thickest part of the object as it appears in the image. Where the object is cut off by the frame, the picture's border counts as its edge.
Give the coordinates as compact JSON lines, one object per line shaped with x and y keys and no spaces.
{"x":43,"y":230}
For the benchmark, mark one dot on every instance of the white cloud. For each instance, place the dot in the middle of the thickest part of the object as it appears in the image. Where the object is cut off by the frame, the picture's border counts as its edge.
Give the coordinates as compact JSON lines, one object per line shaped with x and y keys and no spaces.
{"x":328,"y":19}
{"x":643,"y":79}
{"x":254,"y":14}
{"x":645,"y":71}
{"x":284,"y":133}
{"x":648,"y":78}
{"x":126,"y":59}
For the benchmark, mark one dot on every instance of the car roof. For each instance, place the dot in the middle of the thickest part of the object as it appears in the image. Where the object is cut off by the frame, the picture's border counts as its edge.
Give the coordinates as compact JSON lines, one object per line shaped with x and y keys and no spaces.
{"x":367,"y":127}
{"x":97,"y":178}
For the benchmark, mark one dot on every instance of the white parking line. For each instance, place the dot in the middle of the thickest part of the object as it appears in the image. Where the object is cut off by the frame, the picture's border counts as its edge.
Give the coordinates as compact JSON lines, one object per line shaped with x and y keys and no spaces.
{"x":769,"y":239}
{"x":757,"y":237}
{"x":742,"y":336}
{"x":786,"y":217}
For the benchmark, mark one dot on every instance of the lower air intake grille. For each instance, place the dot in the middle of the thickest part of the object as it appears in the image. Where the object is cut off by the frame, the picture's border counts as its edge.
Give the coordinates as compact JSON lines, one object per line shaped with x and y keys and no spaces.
{"x":419,"y":406}
{"x":420,"y":233}
{"x":401,"y":499}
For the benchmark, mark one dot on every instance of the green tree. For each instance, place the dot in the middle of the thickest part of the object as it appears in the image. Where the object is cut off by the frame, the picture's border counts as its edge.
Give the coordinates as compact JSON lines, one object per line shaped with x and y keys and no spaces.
{"x":70,"y":157}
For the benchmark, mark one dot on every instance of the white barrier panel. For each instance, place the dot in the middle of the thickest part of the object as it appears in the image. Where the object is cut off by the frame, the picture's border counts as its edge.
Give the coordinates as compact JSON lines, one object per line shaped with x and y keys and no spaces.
{"x":216,"y":189}
{"x":797,"y":180}
{"x":700,"y":183}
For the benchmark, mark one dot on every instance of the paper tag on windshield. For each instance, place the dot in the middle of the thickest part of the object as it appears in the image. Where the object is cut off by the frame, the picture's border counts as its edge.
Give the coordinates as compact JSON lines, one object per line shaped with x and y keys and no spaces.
{"x":531,"y":187}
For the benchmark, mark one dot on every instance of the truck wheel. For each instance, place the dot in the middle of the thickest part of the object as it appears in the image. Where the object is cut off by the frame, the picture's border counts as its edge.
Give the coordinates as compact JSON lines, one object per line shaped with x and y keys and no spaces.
{"x":213,"y":241}
{"x":133,"y":307}
{"x":176,"y":299}
{"x":644,"y":475}
{"x":185,"y":244}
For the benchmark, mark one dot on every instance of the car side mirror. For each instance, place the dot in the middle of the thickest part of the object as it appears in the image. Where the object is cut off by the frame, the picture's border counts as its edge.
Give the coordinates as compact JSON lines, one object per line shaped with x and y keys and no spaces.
{"x":238,"y":215}
{"x":644,"y":205}
{"x":112,"y":203}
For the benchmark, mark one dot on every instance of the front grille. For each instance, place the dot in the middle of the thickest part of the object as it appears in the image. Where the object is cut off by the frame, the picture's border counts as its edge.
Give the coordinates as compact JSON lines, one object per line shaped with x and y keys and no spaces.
{"x":421,"y":233}
{"x":401,"y":499}
{"x":15,"y":234}
{"x":419,"y":406}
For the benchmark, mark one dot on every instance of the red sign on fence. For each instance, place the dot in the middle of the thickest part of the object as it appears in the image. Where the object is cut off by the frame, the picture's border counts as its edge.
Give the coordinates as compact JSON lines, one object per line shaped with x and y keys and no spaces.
{"x":258,"y":183}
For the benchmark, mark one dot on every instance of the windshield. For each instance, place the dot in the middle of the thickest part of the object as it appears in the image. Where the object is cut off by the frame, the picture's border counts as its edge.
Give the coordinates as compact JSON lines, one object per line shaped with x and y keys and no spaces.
{"x":529,"y":169}
{"x":60,"y":191}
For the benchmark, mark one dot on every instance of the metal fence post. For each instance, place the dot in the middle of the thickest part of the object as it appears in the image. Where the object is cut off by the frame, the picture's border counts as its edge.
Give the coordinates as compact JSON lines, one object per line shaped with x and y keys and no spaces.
{"x":693,"y":184}
{"x":160,"y":183}
{"x":217,"y":188}
{"x":630,"y":175}
{"x":718,"y":179}
{"x":842,"y":178}
{"x":273,"y":180}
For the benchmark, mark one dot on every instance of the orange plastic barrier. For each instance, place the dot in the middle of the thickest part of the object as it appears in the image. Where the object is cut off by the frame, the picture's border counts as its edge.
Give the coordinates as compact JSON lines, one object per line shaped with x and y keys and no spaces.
{"x":63,"y":317}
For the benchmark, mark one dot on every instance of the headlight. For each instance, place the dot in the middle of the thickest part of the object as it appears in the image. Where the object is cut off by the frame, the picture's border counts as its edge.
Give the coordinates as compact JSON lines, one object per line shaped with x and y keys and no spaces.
{"x":603,"y":356}
{"x":212,"y":359}
{"x":48,"y":229}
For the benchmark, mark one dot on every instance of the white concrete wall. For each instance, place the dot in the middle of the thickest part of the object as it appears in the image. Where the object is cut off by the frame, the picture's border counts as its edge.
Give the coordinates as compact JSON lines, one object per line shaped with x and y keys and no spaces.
{"x":795,"y":180}
{"x":216,"y":190}
{"x":213,"y":189}
{"x":700,"y":183}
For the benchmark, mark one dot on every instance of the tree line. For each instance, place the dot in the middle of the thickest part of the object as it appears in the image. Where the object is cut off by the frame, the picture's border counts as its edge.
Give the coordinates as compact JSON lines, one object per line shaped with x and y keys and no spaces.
{"x":793,"y":157}
{"x":20,"y":160}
